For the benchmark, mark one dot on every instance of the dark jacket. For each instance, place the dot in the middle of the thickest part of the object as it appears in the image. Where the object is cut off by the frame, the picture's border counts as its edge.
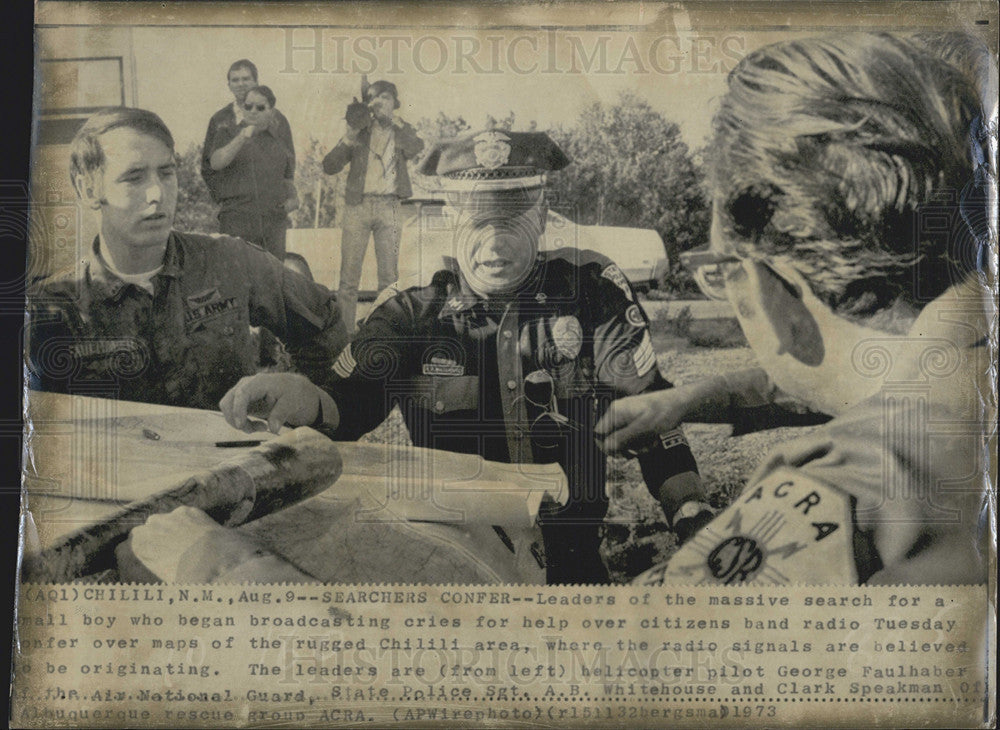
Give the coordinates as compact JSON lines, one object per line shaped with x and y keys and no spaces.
{"x":408,"y":146}
{"x":222,"y":127}
{"x":259,"y":178}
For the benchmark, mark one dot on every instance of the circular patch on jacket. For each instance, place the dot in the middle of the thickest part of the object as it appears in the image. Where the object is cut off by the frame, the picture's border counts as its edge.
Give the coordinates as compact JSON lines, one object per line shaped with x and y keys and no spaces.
{"x":567,"y":334}
{"x":735,"y":559}
{"x":634,"y":316}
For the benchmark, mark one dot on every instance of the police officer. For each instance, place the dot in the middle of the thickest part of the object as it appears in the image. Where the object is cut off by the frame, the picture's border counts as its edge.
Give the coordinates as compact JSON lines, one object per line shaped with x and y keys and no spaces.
{"x":510,"y":352}
{"x":154,"y":314}
{"x":377,"y":146}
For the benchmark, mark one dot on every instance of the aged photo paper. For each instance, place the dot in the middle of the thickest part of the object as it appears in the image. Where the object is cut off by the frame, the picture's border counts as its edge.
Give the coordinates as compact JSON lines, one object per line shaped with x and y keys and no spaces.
{"x":665,"y":394}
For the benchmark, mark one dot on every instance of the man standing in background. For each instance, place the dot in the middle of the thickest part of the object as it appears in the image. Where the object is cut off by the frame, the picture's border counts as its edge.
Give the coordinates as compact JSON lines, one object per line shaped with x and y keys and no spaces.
{"x":222,"y":127}
{"x":377,"y":146}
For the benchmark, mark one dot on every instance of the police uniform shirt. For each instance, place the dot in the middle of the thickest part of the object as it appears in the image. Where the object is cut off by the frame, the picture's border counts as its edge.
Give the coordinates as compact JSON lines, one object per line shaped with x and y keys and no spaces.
{"x":456,"y":365}
{"x":187,"y":342}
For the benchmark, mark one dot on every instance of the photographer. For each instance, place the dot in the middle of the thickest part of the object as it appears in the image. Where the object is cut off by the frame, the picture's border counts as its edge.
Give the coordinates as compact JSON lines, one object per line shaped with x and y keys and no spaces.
{"x":377,"y":145}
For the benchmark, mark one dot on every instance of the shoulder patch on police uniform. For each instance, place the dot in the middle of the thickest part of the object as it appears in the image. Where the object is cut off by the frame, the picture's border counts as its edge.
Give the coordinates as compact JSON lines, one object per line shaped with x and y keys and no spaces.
{"x":786,"y":529}
{"x":634,"y":316}
{"x":617,"y":277}
{"x":643,"y":356}
{"x":567,"y":335}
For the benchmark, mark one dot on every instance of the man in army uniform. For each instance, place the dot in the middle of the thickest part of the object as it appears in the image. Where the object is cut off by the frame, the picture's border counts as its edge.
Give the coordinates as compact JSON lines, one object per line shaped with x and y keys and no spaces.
{"x":511,"y":353}
{"x":157,"y":315}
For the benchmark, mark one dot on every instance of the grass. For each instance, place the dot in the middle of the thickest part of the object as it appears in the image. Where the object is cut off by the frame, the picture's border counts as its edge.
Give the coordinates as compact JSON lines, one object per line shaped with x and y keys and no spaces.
{"x":675,"y":321}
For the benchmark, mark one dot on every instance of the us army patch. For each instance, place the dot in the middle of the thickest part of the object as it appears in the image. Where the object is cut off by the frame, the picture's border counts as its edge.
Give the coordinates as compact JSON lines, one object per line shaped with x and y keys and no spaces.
{"x":567,"y":335}
{"x":786,"y":529}
{"x":643,"y":356}
{"x":205,"y":306}
{"x":617,"y":277}
{"x":443,"y":366}
{"x":634,"y":316}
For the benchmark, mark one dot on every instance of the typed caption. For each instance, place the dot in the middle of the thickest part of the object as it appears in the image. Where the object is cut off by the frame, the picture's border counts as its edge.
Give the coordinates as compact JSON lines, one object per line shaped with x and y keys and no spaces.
{"x":104,"y":655}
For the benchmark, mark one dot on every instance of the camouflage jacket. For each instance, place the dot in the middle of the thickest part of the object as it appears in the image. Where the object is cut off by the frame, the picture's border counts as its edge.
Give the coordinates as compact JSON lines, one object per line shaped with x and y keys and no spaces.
{"x":189,"y":341}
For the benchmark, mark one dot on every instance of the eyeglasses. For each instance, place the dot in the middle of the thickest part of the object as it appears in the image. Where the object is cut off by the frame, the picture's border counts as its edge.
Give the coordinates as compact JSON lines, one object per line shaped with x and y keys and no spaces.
{"x":259,"y":107}
{"x":713,"y":270}
{"x":710,"y":270}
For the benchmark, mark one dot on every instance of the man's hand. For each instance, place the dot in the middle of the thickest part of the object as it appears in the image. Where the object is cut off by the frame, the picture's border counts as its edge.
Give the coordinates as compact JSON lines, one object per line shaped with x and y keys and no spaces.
{"x":183,"y":546}
{"x":634,"y":419}
{"x":351,"y":135}
{"x":279,"y":398}
{"x":187,"y":546}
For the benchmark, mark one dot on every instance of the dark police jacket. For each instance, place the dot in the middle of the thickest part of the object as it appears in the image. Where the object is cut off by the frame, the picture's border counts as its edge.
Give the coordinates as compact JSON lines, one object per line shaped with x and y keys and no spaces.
{"x":189,"y":341}
{"x":456,"y":364}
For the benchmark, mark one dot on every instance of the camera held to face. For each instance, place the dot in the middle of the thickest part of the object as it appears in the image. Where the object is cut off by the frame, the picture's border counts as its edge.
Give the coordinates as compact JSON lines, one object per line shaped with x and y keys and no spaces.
{"x":359,"y":115}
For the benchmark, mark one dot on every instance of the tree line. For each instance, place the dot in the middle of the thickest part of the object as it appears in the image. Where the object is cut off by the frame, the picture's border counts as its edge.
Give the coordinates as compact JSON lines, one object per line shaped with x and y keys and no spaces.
{"x":630,"y":168}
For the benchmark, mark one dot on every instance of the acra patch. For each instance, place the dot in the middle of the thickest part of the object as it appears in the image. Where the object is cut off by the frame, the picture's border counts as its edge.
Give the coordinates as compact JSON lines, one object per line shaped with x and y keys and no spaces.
{"x":787,"y":529}
{"x":634,"y":316}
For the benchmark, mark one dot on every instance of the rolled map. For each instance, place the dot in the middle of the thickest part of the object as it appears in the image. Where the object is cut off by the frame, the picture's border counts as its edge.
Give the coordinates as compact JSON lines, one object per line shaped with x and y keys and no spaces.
{"x":278,"y":473}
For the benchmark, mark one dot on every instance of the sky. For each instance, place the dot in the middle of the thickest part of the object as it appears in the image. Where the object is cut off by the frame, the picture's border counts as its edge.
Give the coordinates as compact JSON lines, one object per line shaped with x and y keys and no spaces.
{"x":181,"y":74}
{"x":460,"y":61}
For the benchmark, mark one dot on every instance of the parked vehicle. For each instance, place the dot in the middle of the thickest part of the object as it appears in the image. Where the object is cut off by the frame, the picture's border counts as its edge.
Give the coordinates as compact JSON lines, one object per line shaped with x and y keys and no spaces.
{"x":428,"y":238}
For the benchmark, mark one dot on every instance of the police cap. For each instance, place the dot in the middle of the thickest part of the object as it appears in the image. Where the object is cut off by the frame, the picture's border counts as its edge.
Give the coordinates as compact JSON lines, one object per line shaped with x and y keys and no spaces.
{"x":494,"y":160}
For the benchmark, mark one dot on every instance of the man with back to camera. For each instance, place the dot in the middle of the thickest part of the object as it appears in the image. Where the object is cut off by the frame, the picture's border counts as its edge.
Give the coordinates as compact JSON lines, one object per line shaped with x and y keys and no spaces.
{"x":377,"y":146}
{"x":511,"y":353}
{"x":223,"y":127}
{"x":157,"y":315}
{"x":831,"y":185}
